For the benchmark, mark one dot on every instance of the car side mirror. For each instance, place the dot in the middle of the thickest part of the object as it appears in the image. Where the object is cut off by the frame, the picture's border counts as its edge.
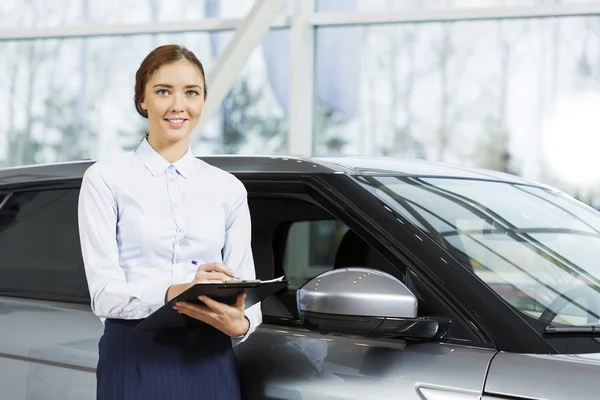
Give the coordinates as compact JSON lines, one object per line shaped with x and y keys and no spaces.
{"x":364,"y":302}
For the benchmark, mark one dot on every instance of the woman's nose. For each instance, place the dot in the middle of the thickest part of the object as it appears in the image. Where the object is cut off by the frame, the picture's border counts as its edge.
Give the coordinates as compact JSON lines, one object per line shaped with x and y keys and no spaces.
{"x":177,"y":104}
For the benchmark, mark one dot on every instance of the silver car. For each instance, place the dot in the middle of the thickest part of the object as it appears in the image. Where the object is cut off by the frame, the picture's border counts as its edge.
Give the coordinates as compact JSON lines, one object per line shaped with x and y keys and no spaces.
{"x":408,"y":280}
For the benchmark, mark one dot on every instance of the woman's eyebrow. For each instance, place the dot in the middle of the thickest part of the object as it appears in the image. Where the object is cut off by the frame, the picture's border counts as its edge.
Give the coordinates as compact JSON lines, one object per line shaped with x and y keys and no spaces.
{"x":171,"y":86}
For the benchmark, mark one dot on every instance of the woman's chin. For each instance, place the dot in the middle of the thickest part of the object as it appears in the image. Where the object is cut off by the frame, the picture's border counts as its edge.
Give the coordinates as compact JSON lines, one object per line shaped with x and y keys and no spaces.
{"x":174,"y":135}
{"x":178,"y":136}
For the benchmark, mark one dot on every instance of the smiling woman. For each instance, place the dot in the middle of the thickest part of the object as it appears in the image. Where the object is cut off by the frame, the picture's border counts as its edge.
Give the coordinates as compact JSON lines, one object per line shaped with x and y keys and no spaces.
{"x":143,"y":218}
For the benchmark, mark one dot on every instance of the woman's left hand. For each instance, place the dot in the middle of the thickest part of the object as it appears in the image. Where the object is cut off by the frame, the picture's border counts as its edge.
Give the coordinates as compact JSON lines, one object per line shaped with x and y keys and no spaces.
{"x":228,"y":319}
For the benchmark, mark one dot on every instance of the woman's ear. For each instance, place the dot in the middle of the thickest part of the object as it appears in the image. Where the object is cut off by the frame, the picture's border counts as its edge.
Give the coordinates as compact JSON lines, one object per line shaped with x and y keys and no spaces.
{"x":143,"y":104}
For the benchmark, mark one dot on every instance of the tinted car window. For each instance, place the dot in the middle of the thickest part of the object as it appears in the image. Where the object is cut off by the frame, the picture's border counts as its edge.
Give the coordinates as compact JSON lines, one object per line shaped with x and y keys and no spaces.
{"x":535,"y":247}
{"x":40,"y":255}
{"x":311,"y":249}
{"x":317,"y":246}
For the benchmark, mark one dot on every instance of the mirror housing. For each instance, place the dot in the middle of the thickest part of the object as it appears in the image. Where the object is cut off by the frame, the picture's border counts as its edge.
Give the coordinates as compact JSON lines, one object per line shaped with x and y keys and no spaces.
{"x":366,"y":303}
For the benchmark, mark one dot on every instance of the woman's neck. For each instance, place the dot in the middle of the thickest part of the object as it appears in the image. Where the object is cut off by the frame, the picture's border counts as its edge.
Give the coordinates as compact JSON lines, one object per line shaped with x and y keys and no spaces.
{"x":170,"y":151}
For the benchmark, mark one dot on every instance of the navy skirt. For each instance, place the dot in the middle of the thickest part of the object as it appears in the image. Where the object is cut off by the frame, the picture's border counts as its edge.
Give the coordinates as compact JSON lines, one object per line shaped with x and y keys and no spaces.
{"x":192,"y":363}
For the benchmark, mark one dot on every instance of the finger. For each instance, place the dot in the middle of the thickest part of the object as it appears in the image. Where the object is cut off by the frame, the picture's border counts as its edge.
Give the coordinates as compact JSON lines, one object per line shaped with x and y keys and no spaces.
{"x":207,"y":317}
{"x":241,"y":301}
{"x":223,"y":268}
{"x":204,"y":276}
{"x":214,"y":274}
{"x":196,"y":311}
{"x":184,"y":305}
{"x":214,"y":305}
{"x":220,"y":276}
{"x":216,"y":266}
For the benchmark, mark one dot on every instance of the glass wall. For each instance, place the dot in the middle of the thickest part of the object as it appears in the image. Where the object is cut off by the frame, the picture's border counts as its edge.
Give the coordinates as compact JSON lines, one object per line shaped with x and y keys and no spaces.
{"x":67,"y":99}
{"x":70,"y":99}
{"x":519,"y":96}
{"x":253,"y":118}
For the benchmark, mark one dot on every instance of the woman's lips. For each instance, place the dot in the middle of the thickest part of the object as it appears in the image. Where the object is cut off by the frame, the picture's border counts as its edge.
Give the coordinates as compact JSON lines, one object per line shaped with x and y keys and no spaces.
{"x":176,"y":123}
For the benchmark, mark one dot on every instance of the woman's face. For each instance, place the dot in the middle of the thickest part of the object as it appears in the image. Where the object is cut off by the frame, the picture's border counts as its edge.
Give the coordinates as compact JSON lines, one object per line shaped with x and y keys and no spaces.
{"x":173,"y":98}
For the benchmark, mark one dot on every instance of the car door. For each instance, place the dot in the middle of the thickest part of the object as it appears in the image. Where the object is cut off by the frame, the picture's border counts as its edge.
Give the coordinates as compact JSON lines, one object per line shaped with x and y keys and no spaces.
{"x":48,"y":336}
{"x":299,"y":235}
{"x":543,"y":376}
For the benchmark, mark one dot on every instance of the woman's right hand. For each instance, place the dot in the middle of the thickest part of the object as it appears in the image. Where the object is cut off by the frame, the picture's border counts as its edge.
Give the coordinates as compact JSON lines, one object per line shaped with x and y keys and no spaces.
{"x":211,"y":272}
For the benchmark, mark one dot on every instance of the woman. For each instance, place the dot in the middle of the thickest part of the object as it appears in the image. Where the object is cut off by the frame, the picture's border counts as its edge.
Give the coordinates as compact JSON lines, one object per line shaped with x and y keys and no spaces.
{"x":144,"y":217}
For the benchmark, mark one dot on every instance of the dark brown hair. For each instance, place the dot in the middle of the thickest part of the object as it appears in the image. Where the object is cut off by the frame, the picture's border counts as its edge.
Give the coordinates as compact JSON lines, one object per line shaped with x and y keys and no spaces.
{"x":157,"y":58}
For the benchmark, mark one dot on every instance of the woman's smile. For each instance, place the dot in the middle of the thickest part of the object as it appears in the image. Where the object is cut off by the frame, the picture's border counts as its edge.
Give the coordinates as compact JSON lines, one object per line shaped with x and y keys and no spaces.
{"x":176,"y":123}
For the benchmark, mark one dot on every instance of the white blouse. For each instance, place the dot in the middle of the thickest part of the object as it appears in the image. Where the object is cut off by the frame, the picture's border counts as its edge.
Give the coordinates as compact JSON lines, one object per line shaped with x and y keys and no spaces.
{"x":142,"y":221}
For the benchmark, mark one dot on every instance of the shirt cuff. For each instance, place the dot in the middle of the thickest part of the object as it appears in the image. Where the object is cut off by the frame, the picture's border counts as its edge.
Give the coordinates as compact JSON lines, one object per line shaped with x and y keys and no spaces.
{"x":154,"y":296}
{"x":108,"y":303}
{"x":254,"y":316}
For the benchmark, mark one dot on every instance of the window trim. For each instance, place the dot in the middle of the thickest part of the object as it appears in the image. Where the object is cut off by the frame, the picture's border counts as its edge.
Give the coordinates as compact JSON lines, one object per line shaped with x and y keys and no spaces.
{"x":5,"y":199}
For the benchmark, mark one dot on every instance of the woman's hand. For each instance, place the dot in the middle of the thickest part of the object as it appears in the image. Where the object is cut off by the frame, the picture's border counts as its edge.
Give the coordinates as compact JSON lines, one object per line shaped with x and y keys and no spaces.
{"x":228,"y":319}
{"x":211,"y":272}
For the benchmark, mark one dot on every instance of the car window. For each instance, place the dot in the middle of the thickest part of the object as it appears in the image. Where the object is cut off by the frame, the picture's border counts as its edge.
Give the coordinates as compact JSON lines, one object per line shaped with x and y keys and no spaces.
{"x":311,"y":249}
{"x":535,"y":247}
{"x":316,"y":246}
{"x":295,"y":236}
{"x":39,"y":245}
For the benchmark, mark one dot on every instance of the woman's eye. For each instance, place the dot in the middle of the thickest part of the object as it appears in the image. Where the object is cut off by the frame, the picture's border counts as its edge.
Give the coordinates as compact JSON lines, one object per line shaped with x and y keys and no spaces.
{"x":192,"y":93}
{"x":162,"y":92}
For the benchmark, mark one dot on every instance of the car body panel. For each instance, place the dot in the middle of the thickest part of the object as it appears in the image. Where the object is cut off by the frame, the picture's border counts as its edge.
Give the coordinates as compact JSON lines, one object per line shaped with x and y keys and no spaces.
{"x":29,"y":380}
{"x":46,"y":345}
{"x":293,"y":363}
{"x":550,"y":377}
{"x":47,"y":350}
{"x":50,"y":333}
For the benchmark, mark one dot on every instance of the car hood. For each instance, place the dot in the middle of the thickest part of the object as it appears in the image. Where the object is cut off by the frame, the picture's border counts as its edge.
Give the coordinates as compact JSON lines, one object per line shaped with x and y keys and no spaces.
{"x":551,"y":377}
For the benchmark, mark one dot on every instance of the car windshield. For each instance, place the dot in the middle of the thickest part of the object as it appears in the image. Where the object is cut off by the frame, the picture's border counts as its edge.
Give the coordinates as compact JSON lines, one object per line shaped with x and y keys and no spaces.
{"x":537,"y":248}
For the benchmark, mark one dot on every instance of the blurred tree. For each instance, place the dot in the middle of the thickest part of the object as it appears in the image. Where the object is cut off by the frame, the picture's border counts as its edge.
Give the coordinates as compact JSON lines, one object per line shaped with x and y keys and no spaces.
{"x":22,"y":148}
{"x":402,"y":50}
{"x":493,"y":150}
{"x":244,"y":118}
{"x":72,"y":135}
{"x":46,"y":116}
{"x":328,"y":122}
{"x":444,"y":52}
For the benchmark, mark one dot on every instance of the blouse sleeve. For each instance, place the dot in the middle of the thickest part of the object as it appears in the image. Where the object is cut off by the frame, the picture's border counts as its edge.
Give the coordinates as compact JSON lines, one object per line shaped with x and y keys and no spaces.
{"x":237,"y":252}
{"x":111,"y":295}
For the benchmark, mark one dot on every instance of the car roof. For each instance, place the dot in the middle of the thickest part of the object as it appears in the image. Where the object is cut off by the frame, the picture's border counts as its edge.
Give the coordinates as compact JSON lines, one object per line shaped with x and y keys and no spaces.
{"x":243,"y":164}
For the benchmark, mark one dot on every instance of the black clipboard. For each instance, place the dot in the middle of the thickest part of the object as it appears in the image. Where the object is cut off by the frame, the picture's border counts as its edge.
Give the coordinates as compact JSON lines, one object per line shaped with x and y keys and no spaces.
{"x":166,"y":317}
